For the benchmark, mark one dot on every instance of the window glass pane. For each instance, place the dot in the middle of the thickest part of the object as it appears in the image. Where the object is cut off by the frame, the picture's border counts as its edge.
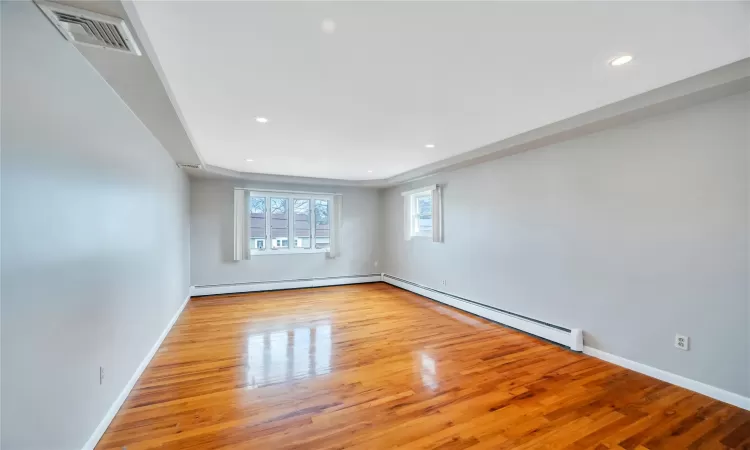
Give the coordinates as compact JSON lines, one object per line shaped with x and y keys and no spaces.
{"x":257,"y":223}
{"x":424,"y":214}
{"x":322,"y":224}
{"x":279,"y":223}
{"x":302,"y":223}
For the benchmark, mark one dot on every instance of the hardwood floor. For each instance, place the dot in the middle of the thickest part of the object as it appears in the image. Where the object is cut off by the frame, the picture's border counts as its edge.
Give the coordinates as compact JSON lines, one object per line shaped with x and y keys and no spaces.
{"x":373,"y":367}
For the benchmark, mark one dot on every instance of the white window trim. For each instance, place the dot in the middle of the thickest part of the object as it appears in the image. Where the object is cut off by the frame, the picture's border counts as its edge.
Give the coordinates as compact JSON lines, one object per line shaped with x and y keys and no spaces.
{"x":411,"y":230}
{"x":290,"y":196}
{"x":428,"y":188}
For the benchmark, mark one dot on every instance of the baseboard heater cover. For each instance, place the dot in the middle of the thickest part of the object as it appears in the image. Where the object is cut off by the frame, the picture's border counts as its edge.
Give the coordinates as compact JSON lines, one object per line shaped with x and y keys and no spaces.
{"x":572,"y":338}
{"x":276,"y":285}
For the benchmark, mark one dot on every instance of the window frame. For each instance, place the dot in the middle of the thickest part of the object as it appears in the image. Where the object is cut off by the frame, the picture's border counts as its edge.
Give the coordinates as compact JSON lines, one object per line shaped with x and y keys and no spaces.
{"x":291,"y":238}
{"x":276,"y":242}
{"x":414,"y":213}
{"x":311,"y":214}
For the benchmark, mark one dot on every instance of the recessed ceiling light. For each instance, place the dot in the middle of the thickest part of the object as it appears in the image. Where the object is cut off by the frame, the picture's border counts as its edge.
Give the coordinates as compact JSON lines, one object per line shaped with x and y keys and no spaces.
{"x":261,"y":120}
{"x":429,"y":145}
{"x":369,"y":171}
{"x":620,"y":60}
{"x":249,"y":160}
{"x":328,"y":26}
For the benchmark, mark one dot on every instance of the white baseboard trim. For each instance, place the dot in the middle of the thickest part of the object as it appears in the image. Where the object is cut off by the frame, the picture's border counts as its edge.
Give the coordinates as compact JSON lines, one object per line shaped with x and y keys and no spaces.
{"x":669,"y":377}
{"x":551,"y":333}
{"x":112,"y":412}
{"x":565,"y":338}
{"x":282,"y":284}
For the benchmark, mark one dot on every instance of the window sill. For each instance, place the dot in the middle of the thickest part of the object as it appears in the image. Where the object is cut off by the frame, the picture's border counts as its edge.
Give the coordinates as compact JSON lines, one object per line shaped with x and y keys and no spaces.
{"x":294,"y":251}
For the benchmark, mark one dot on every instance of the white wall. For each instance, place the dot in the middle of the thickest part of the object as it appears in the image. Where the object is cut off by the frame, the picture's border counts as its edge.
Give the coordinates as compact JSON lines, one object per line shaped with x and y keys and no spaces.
{"x":632,"y":234}
{"x":211,"y":238}
{"x":95,"y":238}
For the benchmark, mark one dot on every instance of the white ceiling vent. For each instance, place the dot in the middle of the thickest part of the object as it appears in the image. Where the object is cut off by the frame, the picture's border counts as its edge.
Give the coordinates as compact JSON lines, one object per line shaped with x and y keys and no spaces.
{"x":189,"y":166}
{"x":89,"y":28}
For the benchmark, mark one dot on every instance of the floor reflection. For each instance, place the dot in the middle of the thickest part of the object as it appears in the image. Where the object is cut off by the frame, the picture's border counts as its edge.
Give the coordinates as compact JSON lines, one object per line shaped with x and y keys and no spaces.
{"x":428,"y":370}
{"x":278,"y":356}
{"x":460,"y":316}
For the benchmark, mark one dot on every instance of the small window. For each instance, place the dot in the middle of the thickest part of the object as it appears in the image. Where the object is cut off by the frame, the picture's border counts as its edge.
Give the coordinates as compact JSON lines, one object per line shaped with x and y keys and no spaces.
{"x":423,"y":213}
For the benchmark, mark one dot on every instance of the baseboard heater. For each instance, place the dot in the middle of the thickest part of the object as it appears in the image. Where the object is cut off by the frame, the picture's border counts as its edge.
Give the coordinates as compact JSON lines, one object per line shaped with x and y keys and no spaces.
{"x":572,"y":338}
{"x":258,"y":286}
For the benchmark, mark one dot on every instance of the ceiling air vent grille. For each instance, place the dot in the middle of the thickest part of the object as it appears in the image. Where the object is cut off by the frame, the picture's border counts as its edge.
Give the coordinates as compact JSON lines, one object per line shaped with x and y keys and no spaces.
{"x":188,"y":166}
{"x":89,"y":28}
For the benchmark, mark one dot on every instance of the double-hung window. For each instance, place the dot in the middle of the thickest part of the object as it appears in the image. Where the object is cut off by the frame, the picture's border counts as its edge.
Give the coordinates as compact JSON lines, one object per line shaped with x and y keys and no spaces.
{"x":421,"y":214}
{"x":423,"y":211}
{"x":282,"y":223}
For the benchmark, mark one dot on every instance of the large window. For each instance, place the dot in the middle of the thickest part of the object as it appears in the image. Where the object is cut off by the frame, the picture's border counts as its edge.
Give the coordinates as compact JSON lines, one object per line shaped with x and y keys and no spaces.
{"x":288,"y":223}
{"x":302,"y":223}
{"x":257,"y":222}
{"x":279,"y":223}
{"x":322,"y":224}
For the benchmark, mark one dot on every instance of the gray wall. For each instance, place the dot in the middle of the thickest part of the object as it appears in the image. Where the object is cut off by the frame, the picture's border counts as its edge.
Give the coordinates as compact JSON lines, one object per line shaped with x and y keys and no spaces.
{"x":95,"y":238}
{"x":747,"y":145}
{"x":632,"y":234}
{"x":211,"y":237}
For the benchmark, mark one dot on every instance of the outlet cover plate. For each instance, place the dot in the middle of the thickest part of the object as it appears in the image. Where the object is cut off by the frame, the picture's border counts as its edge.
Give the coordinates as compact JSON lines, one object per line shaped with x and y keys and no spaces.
{"x":682,"y":342}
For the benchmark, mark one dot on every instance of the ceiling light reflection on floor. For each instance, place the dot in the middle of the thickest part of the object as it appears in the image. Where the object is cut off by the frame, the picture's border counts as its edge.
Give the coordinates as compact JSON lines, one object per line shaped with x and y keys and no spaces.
{"x":285,"y":355}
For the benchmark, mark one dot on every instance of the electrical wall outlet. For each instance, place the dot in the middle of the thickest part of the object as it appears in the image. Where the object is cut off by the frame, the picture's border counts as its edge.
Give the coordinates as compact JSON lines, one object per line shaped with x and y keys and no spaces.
{"x":682,"y":342}
{"x":445,"y":282}
{"x":101,"y":375}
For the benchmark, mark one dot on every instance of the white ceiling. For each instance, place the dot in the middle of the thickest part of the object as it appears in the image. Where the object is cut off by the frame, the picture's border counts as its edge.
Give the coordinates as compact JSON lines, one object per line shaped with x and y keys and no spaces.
{"x":395,"y":76}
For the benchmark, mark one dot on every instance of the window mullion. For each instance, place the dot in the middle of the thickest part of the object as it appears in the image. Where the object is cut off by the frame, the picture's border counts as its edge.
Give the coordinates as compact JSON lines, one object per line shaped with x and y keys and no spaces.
{"x":269,"y":245}
{"x":290,"y":218}
{"x":313,"y":224}
{"x":414,"y":216}
{"x":417,"y":217}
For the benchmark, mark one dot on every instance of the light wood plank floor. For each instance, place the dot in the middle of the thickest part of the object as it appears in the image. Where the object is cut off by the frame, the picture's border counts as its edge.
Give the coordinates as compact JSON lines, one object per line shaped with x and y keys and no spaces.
{"x":374,"y":367}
